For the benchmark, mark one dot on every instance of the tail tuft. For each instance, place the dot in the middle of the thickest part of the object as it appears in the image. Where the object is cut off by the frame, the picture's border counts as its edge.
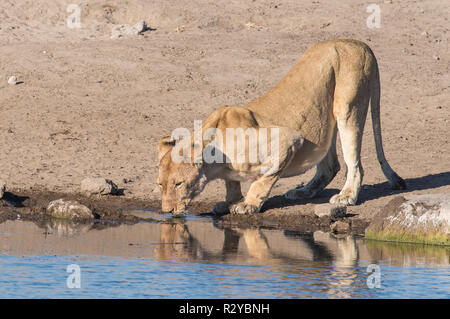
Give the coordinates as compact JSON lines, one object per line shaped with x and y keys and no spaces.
{"x":397,"y":182}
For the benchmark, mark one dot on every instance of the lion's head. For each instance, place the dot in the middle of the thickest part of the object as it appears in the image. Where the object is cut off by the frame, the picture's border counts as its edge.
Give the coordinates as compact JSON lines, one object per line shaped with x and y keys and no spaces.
{"x":179,"y":182}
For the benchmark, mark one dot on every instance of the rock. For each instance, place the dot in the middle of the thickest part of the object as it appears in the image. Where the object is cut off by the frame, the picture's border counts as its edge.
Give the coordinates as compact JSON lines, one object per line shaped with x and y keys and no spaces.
{"x":340,"y":227}
{"x":12,"y":80}
{"x":436,"y":57}
{"x":413,"y":218}
{"x":2,"y":189}
{"x":98,"y":186}
{"x":425,"y":34}
{"x":69,"y":210}
{"x":179,"y":29}
{"x":140,"y":27}
{"x":331,"y":210}
{"x":122,"y":30}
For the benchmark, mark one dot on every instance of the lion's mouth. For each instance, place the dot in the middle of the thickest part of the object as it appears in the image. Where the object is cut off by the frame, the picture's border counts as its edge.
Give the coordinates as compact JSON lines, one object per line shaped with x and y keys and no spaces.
{"x":182,"y":209}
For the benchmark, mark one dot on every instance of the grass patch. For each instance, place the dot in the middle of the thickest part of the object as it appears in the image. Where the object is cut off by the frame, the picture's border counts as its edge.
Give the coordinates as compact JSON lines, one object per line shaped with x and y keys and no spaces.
{"x":403,"y":237}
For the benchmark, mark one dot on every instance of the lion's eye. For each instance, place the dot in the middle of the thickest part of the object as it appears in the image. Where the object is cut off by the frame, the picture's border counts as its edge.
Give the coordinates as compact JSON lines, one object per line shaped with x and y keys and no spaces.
{"x":178,"y":184}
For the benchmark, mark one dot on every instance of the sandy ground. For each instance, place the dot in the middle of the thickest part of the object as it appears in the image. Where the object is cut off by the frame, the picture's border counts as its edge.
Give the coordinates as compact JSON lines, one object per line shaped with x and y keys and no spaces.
{"x":92,"y":106}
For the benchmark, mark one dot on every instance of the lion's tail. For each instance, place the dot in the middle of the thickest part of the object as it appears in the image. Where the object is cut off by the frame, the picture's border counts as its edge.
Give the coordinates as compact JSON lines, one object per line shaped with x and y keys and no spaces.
{"x":394,"y":180}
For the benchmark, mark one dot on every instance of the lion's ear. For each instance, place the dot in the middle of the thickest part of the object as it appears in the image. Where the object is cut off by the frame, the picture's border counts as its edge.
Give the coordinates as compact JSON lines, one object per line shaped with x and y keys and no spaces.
{"x":165,"y":145}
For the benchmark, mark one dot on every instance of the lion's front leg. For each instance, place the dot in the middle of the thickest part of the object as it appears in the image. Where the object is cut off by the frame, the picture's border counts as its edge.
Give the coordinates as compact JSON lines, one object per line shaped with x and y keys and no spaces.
{"x":234,"y":195}
{"x":283,"y":145}
{"x":256,"y":196}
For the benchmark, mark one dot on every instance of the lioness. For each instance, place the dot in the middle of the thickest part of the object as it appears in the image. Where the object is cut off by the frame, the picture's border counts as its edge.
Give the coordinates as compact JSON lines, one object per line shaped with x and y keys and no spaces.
{"x":328,"y":90}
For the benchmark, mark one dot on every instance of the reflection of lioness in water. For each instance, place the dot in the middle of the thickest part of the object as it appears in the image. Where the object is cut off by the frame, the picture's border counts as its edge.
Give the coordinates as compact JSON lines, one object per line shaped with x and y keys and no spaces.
{"x":327,"y":90}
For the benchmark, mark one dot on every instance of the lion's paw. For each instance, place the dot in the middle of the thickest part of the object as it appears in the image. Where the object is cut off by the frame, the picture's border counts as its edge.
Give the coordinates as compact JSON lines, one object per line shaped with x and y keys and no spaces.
{"x":221,"y":208}
{"x":244,"y":208}
{"x":341,"y":199}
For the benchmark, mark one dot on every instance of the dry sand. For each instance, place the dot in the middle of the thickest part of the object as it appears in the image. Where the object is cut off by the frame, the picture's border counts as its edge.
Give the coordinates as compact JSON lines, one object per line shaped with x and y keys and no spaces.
{"x":92,"y":106}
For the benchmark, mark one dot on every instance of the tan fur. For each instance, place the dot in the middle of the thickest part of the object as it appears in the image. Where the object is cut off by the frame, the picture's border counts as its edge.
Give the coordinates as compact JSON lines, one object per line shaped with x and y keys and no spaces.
{"x":329,"y":89}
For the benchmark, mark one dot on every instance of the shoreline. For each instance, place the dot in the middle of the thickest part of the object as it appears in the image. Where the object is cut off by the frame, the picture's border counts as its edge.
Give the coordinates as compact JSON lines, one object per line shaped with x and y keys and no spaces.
{"x":31,"y":205}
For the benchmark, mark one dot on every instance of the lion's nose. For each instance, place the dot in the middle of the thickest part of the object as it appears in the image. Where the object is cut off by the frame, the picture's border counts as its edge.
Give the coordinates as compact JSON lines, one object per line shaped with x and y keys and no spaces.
{"x":166,"y":207}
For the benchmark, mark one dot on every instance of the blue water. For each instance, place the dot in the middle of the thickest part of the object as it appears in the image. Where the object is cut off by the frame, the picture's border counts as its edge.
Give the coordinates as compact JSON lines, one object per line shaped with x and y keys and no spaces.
{"x":198,"y":259}
{"x":46,"y":276}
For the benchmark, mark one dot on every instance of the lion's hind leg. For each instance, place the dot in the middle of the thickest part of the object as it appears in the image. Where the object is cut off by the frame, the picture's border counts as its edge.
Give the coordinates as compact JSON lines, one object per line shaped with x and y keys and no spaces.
{"x":351,"y":116}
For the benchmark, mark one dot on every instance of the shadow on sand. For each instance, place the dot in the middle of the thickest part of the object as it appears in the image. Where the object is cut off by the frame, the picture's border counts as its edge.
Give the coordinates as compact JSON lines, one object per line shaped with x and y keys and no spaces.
{"x":368,"y":192}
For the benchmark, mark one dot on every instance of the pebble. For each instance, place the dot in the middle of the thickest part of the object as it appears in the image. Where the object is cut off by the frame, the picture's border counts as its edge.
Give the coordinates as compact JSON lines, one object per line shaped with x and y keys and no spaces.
{"x":331,"y":210}
{"x":12,"y":80}
{"x":179,"y":29}
{"x":140,"y":27}
{"x":122,"y":30}
{"x":98,"y":186}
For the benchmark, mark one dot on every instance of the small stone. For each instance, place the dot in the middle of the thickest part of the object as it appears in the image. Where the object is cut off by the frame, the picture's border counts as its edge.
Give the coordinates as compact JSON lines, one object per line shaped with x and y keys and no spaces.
{"x":436,"y":57}
{"x":98,"y":186}
{"x":69,"y":210}
{"x":331,"y":210}
{"x":340,"y":227}
{"x":425,"y":34}
{"x":122,"y":30}
{"x":2,"y":189}
{"x":250,"y":25}
{"x":179,"y":29}
{"x":12,"y":80}
{"x":140,"y":27}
